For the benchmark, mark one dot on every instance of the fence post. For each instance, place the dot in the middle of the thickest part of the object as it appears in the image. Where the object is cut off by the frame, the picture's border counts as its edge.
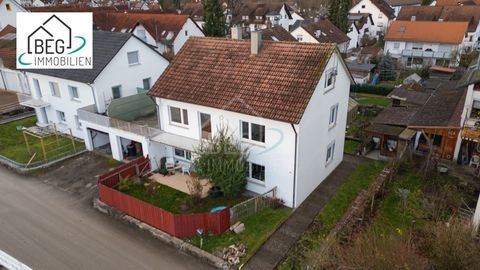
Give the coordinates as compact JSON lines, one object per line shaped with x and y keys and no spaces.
{"x":137,"y":171}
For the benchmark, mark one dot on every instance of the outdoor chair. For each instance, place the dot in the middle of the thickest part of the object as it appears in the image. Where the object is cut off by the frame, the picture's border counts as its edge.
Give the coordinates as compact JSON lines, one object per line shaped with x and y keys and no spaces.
{"x":475,"y":161}
{"x":185,"y":170}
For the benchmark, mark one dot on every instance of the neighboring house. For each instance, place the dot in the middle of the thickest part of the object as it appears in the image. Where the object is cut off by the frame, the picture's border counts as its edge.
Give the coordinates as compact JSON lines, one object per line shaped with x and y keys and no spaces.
{"x":293,"y":126}
{"x":417,"y":112}
{"x":360,"y":25}
{"x":253,"y":16}
{"x":397,"y":5}
{"x":382,"y":15}
{"x":8,"y":10}
{"x":361,"y":72}
{"x":166,"y":32}
{"x":322,"y":31}
{"x":10,"y":78}
{"x":276,"y":33}
{"x":420,"y":44}
{"x":469,"y":14}
{"x":195,"y":11}
{"x":365,"y":55}
{"x":122,"y":66}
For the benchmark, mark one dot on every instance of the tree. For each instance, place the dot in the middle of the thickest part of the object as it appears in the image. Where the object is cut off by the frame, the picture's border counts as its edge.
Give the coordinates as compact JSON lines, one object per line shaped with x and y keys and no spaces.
{"x":224,"y":162}
{"x":385,"y":68}
{"x":215,"y":24}
{"x":338,"y":13}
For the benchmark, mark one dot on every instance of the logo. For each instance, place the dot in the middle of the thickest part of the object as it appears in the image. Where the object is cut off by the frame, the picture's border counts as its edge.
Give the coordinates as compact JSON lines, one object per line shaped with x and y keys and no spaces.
{"x":48,"y":40}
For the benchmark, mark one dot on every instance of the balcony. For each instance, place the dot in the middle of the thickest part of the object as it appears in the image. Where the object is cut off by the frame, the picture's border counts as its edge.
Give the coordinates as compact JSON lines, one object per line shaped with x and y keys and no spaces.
{"x":427,"y":54}
{"x":145,"y":126}
{"x":29,"y":101}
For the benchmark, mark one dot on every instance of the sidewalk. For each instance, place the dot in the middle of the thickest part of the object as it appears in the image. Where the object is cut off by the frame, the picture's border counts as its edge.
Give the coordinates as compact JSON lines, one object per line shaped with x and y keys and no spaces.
{"x":279,"y":244}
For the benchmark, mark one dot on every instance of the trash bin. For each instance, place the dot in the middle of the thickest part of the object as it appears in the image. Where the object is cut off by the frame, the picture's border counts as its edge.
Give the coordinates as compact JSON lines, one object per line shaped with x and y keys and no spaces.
{"x":132,"y":150}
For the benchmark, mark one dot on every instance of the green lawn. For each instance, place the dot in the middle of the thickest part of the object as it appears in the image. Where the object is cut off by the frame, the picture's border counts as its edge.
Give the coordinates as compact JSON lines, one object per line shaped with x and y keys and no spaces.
{"x":258,"y":228}
{"x":360,"y":179}
{"x":373,"y":100}
{"x":351,"y":147}
{"x":12,"y":143}
{"x":171,"y":199}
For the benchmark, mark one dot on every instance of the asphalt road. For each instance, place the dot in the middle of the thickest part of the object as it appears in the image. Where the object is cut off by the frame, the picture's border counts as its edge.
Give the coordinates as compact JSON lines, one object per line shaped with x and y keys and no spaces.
{"x":47,"y":228}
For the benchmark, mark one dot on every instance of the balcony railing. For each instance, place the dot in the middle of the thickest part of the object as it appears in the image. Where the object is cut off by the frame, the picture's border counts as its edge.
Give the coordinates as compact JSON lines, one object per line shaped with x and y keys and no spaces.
{"x":88,"y":114}
{"x":28,"y":101}
{"x":427,"y":54}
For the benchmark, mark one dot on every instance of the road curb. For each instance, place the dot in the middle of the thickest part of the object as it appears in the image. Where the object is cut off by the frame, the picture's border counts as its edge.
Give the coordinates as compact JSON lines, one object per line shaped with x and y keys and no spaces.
{"x":162,"y":236}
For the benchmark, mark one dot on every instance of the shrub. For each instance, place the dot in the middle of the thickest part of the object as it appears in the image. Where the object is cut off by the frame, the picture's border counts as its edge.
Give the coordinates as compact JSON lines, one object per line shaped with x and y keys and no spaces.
{"x":371,"y":89}
{"x":196,"y":188}
{"x":125,"y":184}
{"x":224,"y":162}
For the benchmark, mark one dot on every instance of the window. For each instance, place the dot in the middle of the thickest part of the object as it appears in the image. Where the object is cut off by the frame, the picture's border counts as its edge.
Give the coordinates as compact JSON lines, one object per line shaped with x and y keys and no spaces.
{"x":396,"y":45}
{"x":402,"y":29}
{"x":179,"y":116}
{"x":380,"y":15}
{"x":417,"y":47}
{"x":183,"y":154}
{"x":300,"y":37}
{"x":117,"y":91}
{"x":333,"y":115}
{"x":330,"y":79}
{"x":61,"y":116}
{"x":54,"y":89}
{"x":146,"y":84}
{"x":141,"y":34}
{"x":186,"y":33}
{"x":256,"y":172}
{"x":8,"y":7}
{"x":37,"y":88}
{"x":363,"y":6}
{"x":253,"y":132}
{"x":132,"y":58}
{"x":77,"y":122}
{"x":330,"y":152}
{"x":73,"y":92}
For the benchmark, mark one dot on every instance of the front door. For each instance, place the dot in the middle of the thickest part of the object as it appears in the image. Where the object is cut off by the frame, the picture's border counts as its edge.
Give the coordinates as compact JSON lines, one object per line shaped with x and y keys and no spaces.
{"x":205,"y":126}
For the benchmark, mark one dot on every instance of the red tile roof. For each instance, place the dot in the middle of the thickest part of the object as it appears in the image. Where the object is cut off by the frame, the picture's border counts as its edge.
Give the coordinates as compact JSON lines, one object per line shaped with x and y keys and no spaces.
{"x":8,"y":46}
{"x":221,"y":73}
{"x":8,"y":57}
{"x":438,"y":32}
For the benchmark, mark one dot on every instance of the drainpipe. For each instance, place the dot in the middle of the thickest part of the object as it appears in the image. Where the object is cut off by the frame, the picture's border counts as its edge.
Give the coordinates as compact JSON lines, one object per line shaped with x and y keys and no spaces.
{"x":295,"y":166}
{"x":93,"y":94}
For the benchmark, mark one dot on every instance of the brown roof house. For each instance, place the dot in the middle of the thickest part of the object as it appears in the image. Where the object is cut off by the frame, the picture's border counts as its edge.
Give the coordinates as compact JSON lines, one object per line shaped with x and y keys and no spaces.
{"x":382,"y":14}
{"x":418,"y":44}
{"x":286,"y":101}
{"x":322,"y":31}
{"x":253,"y":15}
{"x":359,"y":30}
{"x":10,"y":78}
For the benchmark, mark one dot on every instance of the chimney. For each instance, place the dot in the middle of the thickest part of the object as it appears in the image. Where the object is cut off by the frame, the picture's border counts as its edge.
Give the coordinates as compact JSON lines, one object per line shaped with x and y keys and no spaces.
{"x":256,"y":41}
{"x":237,"y":32}
{"x":414,"y":18}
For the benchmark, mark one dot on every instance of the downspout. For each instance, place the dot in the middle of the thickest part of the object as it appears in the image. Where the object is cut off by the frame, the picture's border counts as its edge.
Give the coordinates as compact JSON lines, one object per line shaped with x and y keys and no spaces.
{"x":295,"y":166}
{"x":93,"y":94}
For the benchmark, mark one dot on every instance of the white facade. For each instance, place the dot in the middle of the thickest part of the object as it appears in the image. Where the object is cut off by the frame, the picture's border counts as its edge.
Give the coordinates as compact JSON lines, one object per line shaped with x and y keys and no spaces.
{"x":8,"y":10}
{"x":190,"y":28}
{"x":118,"y":72}
{"x":304,"y":36}
{"x":472,"y":40}
{"x":380,"y":20}
{"x":354,"y":35}
{"x":13,"y":80}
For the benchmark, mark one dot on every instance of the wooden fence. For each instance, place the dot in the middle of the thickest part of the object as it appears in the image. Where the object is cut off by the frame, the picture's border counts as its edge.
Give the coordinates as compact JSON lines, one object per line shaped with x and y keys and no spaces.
{"x":178,"y":225}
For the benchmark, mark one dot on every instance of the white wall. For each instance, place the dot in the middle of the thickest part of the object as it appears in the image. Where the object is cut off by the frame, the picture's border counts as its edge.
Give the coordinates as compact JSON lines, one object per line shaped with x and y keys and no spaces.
{"x":306,"y":37}
{"x":192,"y":30}
{"x":315,"y":134}
{"x":13,"y":80}
{"x":118,"y":72}
{"x":380,"y":20}
{"x":8,"y":17}
{"x":354,"y":36}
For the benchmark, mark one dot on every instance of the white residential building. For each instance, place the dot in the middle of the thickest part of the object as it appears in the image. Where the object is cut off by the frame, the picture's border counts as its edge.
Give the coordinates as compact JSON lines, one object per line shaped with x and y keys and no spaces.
{"x":293,"y":126}
{"x":382,"y":15}
{"x":11,"y":79}
{"x":360,"y":26}
{"x":8,"y":9}
{"x":419,"y":44}
{"x":123,"y":66}
{"x":254,"y":16}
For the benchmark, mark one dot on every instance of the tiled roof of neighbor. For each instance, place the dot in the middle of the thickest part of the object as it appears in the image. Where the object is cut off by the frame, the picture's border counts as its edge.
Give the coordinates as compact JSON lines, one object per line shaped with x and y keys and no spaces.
{"x":403,"y":2}
{"x":105,"y":47}
{"x":158,"y":25}
{"x":8,"y":47}
{"x":411,"y":94}
{"x":253,"y":9}
{"x":441,"y":32}
{"x":221,"y":73}
{"x":327,"y":32}
{"x":421,"y":13}
{"x":384,"y":8}
{"x":395,"y":116}
{"x":194,"y":9}
{"x":276,"y":33}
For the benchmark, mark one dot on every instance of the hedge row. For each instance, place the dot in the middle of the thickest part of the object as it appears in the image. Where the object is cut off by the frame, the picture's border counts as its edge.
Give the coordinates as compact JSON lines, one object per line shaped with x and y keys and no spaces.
{"x":371,"y":89}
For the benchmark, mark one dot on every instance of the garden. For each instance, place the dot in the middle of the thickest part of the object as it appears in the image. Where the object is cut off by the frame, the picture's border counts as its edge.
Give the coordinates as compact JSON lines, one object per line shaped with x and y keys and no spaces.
{"x":13,"y":146}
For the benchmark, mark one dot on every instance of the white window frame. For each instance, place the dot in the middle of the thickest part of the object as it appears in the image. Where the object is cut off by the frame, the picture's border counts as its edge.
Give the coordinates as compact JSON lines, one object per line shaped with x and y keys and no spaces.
{"x":119,"y":89}
{"x":250,"y":174}
{"x":61,"y":116}
{"x":300,"y":37}
{"x":250,"y":139}
{"x":329,"y":73}
{"x":71,"y":91}
{"x":183,"y":112}
{"x":149,"y":83}
{"x":77,"y":122}
{"x":55,"y":89}
{"x":330,"y":154}
{"x":187,"y":155}
{"x":396,"y":45}
{"x":128,"y":58}
{"x":332,"y":119}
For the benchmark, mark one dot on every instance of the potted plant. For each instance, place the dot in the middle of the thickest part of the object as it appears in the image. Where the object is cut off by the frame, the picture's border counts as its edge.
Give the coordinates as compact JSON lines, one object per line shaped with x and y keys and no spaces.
{"x":215,"y":192}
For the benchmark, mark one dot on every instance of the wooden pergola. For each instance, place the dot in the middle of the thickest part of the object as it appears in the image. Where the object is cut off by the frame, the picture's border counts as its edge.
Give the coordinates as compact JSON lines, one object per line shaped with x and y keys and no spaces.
{"x":41,"y":134}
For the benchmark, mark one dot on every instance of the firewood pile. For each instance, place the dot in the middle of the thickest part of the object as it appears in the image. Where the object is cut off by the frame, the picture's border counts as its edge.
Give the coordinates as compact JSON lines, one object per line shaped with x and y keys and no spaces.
{"x":233,"y":253}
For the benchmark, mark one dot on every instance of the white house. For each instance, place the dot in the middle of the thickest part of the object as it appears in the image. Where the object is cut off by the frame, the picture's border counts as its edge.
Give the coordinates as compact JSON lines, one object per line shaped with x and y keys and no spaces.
{"x":292,"y":125}
{"x":166,"y":32}
{"x":123,"y":65}
{"x":10,"y":78}
{"x":382,"y":15}
{"x":254,"y":16}
{"x":8,"y":9}
{"x":418,"y":44}
{"x":397,"y":5}
{"x":360,"y":25}
{"x":322,"y":31}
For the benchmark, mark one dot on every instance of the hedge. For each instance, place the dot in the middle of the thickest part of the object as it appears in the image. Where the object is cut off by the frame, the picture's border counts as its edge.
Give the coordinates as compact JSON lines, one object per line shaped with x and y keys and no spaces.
{"x":371,"y":89}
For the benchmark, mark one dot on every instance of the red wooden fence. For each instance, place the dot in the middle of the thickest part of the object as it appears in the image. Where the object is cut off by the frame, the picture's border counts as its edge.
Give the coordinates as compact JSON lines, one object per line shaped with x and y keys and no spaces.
{"x":178,"y":225}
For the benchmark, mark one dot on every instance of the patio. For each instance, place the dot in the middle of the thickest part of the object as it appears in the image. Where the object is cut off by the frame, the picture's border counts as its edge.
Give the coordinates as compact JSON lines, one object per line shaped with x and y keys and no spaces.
{"x":179,"y":181}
